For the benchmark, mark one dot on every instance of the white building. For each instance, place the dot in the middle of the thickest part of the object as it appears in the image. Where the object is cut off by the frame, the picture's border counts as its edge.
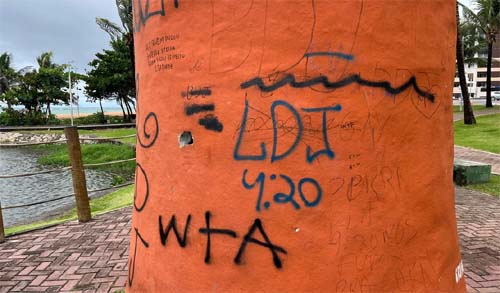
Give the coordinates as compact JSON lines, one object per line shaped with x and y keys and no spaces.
{"x":476,"y":81}
{"x":476,"y":77}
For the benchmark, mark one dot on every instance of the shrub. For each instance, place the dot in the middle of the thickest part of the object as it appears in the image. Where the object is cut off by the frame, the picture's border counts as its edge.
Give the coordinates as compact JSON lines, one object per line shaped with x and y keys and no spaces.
{"x":95,"y":118}
{"x":12,"y":117}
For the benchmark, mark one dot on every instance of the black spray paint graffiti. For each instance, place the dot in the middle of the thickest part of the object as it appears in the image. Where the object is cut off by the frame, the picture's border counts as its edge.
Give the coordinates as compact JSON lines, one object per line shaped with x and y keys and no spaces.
{"x":267,"y":243}
{"x":196,"y":108}
{"x":353,"y":78}
{"x":209,"y":232}
{"x":191,"y":92}
{"x":209,"y":121}
{"x":140,"y":207}
{"x":144,"y":13}
{"x":131,"y":262}
{"x":173,"y":225}
{"x":151,"y":137}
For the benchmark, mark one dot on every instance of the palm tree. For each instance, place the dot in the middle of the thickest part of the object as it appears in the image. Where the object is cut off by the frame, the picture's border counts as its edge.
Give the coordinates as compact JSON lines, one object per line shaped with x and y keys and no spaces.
{"x":474,"y":43}
{"x":5,"y":69}
{"x":45,"y":62}
{"x":7,"y":76}
{"x":126,"y":32}
{"x":487,"y":19}
{"x":468,"y":113}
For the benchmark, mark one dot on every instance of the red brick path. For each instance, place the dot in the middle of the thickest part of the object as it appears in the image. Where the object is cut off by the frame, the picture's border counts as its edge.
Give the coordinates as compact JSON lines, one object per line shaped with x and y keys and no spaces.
{"x":93,"y":256}
{"x":478,"y":218}
{"x":86,"y":257}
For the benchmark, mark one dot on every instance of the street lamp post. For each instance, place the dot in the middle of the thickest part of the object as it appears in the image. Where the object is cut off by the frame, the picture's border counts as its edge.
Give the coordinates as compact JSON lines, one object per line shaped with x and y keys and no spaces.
{"x":70,"y":92}
{"x":70,"y":97}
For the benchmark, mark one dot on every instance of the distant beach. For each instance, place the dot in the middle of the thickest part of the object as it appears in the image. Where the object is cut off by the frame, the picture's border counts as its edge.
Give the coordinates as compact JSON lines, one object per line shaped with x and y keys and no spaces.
{"x":83,"y":114}
{"x":65,"y":111}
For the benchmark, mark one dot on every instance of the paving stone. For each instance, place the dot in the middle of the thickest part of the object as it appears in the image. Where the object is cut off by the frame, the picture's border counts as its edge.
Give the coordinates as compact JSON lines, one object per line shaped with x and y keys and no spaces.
{"x":72,"y":264}
{"x":480,"y":252}
{"x":68,"y":257}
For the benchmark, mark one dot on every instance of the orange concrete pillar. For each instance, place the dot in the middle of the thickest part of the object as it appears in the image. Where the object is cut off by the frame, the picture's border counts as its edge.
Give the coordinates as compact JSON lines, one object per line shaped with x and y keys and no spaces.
{"x":294,"y":146}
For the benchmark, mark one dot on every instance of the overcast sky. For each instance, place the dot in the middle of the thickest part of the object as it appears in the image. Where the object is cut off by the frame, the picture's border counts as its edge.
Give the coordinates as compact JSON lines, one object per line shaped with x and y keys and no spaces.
{"x":65,"y":27}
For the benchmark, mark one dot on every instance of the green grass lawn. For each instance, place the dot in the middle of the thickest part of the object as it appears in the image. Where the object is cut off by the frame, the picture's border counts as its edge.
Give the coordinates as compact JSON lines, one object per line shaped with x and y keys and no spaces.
{"x":456,"y":108}
{"x":115,"y":200}
{"x":94,"y":153}
{"x":492,"y":187}
{"x":57,"y":155}
{"x":112,"y":133}
{"x":485,"y":135}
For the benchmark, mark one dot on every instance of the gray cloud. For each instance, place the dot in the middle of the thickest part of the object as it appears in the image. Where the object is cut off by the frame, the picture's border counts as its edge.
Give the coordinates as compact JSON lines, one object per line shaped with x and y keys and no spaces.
{"x":65,"y":27}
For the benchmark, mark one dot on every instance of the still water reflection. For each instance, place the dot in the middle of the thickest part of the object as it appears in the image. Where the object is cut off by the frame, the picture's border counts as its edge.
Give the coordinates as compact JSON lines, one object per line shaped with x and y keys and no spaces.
{"x":22,"y":190}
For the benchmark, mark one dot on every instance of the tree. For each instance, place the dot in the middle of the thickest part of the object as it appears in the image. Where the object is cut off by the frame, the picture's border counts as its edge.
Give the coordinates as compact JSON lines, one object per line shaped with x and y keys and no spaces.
{"x":10,"y":78}
{"x":27,"y":92}
{"x":45,"y":60}
{"x":474,"y":44}
{"x":7,"y":78}
{"x":468,"y":113}
{"x":487,"y":20}
{"x":51,"y":81}
{"x":95,"y":87}
{"x":111,"y":77}
{"x":123,"y":38}
{"x":126,"y":32}
{"x":5,"y":72}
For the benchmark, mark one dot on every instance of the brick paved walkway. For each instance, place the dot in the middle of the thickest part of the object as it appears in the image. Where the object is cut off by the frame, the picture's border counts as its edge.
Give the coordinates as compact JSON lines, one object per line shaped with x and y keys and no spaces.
{"x":78,"y":257}
{"x":93,"y":256}
{"x":479,"y":156}
{"x":478,"y":217}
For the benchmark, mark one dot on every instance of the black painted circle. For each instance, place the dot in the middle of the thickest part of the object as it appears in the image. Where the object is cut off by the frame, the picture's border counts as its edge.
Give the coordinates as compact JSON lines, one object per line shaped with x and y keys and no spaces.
{"x":141,"y":207}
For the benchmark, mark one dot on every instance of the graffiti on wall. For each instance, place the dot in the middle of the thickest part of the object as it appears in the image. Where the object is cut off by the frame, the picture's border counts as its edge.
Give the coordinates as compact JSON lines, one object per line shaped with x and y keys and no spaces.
{"x":278,"y":137}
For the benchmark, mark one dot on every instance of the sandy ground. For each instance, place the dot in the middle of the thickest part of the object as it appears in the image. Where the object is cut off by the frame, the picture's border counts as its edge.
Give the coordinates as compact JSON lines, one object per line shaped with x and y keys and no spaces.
{"x":75,"y":115}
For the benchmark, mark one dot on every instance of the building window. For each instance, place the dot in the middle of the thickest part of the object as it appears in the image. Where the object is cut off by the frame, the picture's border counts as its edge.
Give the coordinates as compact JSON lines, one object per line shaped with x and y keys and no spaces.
{"x":481,"y":74}
{"x":470,"y":76}
{"x":456,"y":84}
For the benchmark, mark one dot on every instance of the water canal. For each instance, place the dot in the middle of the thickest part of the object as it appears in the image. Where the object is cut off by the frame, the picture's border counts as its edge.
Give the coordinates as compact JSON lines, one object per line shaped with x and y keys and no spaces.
{"x":25,"y":190}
